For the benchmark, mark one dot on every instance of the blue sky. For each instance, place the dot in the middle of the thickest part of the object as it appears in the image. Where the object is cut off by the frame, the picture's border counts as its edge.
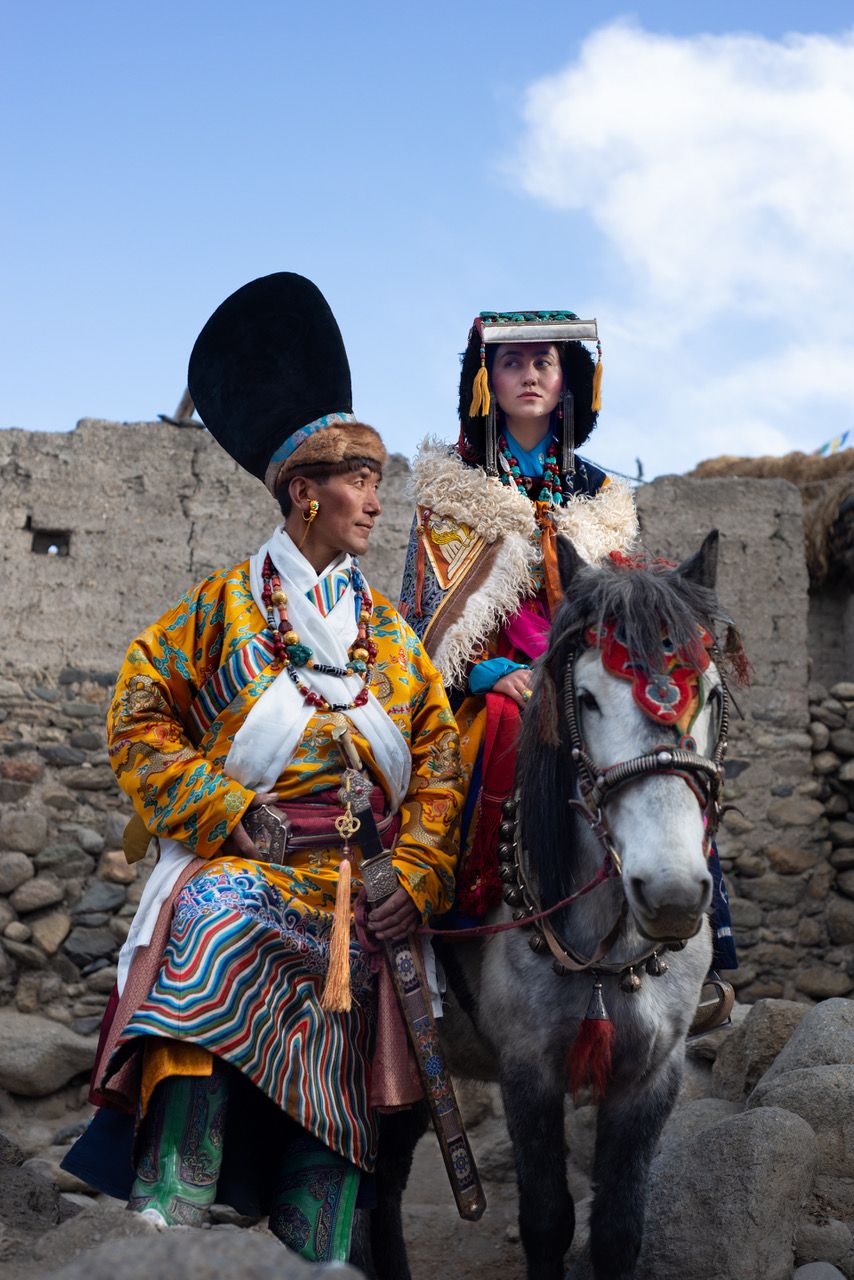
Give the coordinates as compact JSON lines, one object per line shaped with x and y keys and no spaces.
{"x":682,"y":171}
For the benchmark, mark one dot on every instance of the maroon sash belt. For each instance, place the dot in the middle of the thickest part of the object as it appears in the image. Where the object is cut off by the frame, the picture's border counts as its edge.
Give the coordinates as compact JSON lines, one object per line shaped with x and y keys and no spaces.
{"x":304,"y":824}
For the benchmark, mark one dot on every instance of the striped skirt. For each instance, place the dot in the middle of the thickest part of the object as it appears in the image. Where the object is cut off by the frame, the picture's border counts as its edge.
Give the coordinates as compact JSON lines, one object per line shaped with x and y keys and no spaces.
{"x":242,"y":976}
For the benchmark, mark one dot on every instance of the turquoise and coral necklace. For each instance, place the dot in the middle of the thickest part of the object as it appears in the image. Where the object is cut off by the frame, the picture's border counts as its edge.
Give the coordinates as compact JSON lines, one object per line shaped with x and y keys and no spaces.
{"x":511,"y":474}
{"x":290,"y":653}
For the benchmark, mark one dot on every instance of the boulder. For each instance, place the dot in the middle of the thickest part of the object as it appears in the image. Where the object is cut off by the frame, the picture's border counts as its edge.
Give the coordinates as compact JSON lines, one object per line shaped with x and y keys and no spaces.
{"x":695,"y":1117}
{"x":38,"y":1056}
{"x":752,"y":1046}
{"x":822,"y":1239}
{"x":43,"y":891}
{"x":820,"y":982}
{"x":135,"y":1250}
{"x":101,"y":896}
{"x":115,"y":867}
{"x":822,"y":1097}
{"x":24,"y":830}
{"x":15,"y":869}
{"x":822,"y":1035}
{"x":51,"y":931}
{"x":85,"y":945}
{"x":818,"y":1271}
{"x":794,"y":812}
{"x":840,"y":920}
{"x":729,"y":1199}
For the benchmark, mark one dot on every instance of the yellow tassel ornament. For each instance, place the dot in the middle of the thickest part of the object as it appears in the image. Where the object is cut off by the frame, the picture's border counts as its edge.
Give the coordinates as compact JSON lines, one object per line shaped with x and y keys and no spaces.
{"x":336,"y":997}
{"x":597,"y":383}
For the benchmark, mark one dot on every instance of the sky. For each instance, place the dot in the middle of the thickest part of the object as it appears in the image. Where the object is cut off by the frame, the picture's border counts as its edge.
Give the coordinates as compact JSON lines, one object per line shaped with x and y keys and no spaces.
{"x":683,"y":172}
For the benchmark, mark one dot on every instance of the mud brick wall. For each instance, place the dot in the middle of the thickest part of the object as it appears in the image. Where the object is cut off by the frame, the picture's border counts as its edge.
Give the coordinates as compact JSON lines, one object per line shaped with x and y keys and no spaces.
{"x":138,"y":512}
{"x":793,"y":917}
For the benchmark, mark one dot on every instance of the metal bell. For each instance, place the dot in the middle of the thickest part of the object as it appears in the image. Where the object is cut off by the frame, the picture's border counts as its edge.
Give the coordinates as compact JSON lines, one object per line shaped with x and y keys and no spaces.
{"x":506,"y":853}
{"x":655,"y":966}
{"x":538,"y":944}
{"x":507,"y":830}
{"x":508,"y":808}
{"x":560,"y":969}
{"x":513,"y":895}
{"x":630,"y":982}
{"x":507,"y":872}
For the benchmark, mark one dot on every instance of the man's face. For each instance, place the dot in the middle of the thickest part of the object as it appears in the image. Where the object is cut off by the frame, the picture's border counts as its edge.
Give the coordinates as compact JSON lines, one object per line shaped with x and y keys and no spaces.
{"x":349,"y":505}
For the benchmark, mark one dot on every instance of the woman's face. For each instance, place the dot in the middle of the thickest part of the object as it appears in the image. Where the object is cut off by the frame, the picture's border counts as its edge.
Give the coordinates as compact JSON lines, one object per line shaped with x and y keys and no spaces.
{"x":527,"y":379}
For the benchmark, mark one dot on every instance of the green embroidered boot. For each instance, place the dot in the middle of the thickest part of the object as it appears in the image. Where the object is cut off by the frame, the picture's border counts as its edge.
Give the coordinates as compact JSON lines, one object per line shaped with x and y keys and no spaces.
{"x":180,"y":1152}
{"x":315,"y":1201}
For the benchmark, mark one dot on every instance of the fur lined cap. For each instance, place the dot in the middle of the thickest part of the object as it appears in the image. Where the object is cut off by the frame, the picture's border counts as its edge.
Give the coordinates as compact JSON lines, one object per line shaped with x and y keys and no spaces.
{"x":337,"y":443}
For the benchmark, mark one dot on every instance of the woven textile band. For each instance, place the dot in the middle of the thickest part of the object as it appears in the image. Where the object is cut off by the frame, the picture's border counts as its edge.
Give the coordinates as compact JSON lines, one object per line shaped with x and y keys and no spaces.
{"x":293,"y":442}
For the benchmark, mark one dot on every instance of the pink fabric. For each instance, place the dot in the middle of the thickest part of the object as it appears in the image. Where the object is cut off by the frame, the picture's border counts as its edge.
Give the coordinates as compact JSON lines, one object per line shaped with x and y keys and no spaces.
{"x":395,"y":1082}
{"x":528,"y":629}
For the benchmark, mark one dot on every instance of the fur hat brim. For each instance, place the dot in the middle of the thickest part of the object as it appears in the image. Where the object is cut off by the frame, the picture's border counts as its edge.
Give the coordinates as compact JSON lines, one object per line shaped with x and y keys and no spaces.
{"x":338,"y":443}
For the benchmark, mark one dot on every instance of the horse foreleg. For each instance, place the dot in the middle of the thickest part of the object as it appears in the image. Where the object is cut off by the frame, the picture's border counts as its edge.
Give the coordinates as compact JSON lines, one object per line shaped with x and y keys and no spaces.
{"x":383,"y":1255}
{"x":546,"y":1213}
{"x":630,"y":1122}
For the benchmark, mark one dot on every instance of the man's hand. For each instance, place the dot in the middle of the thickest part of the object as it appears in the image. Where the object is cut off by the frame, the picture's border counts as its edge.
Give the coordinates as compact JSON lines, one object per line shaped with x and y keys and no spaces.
{"x":395,"y":919}
{"x":516,"y":685}
{"x":238,"y":844}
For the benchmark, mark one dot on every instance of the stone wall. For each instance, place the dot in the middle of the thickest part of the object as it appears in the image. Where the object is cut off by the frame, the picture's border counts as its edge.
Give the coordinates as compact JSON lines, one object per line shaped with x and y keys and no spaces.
{"x":144,"y":510}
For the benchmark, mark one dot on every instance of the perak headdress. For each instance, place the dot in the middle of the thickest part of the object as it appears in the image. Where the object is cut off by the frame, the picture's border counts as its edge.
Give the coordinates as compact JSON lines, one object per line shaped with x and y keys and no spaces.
{"x":581,"y":396}
{"x":270,"y":379}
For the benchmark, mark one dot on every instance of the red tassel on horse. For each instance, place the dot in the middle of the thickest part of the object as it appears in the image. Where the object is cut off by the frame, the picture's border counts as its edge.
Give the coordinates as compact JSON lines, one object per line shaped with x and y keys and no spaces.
{"x":589,"y":1059}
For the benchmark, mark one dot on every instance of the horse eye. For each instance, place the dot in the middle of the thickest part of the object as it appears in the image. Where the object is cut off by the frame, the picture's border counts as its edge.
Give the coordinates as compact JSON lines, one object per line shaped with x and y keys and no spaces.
{"x":587,"y":701}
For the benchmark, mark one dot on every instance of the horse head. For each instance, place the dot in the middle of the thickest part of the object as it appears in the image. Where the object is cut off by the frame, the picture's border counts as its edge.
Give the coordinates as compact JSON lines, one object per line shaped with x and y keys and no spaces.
{"x":637,"y":702}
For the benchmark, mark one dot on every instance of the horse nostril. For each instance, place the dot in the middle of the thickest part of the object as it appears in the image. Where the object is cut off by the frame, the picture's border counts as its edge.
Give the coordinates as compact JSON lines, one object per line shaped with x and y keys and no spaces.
{"x":638,"y":887}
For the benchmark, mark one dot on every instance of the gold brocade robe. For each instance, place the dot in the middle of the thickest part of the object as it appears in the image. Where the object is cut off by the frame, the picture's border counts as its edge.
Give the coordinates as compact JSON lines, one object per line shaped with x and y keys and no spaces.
{"x":187,"y":685}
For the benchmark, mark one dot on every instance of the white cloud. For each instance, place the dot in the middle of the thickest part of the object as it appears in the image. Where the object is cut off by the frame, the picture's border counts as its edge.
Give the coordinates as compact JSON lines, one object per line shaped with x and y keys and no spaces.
{"x":720,"y":170}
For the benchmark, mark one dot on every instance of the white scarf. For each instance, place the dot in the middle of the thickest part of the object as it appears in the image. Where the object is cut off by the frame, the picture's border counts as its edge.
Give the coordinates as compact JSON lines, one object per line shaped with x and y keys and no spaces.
{"x":271,"y":733}
{"x":274,"y":728}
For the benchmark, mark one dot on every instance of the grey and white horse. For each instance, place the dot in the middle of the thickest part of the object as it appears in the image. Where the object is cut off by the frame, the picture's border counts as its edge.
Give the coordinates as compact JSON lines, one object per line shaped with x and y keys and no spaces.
{"x":599,"y":782}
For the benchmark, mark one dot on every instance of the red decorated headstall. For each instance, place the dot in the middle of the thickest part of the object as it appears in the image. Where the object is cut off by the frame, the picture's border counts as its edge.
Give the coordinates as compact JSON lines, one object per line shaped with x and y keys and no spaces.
{"x":669,"y":696}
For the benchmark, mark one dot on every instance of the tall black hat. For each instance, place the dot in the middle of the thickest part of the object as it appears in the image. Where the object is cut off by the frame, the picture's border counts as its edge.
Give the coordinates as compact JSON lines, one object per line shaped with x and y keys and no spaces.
{"x":269,"y":372}
{"x":581,"y":396}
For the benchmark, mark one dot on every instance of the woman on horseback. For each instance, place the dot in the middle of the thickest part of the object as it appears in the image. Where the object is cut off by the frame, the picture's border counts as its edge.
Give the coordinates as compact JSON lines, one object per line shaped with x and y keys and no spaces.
{"x":481,"y":584}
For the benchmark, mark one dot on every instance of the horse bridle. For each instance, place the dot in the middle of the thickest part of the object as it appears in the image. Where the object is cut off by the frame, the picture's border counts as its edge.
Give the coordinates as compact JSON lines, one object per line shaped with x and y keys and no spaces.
{"x":704,"y":775}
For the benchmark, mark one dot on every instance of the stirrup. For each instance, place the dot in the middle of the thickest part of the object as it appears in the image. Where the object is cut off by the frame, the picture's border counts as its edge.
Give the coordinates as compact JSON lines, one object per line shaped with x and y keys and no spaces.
{"x":715,"y":1008}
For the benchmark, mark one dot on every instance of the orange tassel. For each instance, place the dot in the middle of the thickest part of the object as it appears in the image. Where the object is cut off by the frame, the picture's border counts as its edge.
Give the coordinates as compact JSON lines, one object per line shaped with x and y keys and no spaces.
{"x":337,"y":997}
{"x":419,"y":571}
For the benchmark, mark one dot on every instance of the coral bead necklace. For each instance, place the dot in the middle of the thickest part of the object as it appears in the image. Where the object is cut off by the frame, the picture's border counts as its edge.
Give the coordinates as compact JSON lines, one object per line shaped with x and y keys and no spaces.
{"x":512,"y":474}
{"x":290,"y":653}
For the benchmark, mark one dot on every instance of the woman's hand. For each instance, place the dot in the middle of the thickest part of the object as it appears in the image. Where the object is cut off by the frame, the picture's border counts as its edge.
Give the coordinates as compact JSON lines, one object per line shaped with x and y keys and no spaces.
{"x":394,"y":919}
{"x":239,"y":843}
{"x":516,"y":685}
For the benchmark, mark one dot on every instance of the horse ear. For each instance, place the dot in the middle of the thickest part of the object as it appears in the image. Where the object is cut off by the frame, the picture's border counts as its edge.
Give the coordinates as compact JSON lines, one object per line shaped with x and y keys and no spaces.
{"x":568,"y":562}
{"x":702,"y":566}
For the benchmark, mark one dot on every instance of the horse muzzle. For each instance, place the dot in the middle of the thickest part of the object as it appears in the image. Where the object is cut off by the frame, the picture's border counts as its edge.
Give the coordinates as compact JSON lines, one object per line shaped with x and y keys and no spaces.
{"x":667,"y":916}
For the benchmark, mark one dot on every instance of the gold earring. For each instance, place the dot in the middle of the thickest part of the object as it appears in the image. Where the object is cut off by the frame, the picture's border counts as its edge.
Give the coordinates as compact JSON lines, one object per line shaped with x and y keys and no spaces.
{"x":308,"y":516}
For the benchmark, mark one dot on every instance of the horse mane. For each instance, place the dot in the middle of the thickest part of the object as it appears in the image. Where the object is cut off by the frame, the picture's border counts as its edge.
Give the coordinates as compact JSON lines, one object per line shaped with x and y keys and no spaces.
{"x":647,"y":599}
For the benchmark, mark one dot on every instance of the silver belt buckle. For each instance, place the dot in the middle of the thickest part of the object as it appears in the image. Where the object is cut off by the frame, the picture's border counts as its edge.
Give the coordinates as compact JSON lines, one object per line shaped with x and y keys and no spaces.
{"x":269,"y":830}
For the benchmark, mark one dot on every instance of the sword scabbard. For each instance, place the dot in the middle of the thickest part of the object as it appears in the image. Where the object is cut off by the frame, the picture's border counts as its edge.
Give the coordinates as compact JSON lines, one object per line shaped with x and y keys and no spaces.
{"x":413,"y":994}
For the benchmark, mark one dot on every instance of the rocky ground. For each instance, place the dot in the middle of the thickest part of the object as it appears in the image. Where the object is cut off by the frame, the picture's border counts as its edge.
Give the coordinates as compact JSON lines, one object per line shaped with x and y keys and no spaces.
{"x":754,"y":1179}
